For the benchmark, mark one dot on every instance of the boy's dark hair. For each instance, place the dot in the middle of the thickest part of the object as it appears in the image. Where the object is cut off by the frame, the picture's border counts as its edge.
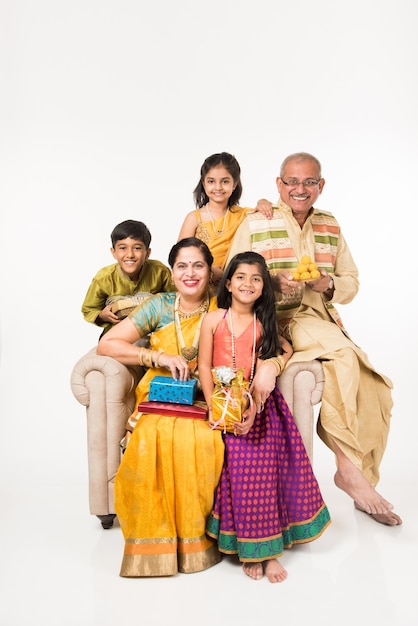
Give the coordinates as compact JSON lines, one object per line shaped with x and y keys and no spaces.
{"x":230,"y":163}
{"x":264,"y":307}
{"x":133,"y":229}
{"x":190,"y":242}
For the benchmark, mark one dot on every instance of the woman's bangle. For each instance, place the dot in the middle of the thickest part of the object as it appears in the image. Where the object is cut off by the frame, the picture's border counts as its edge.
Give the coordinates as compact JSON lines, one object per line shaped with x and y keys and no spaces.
{"x":157,"y":358}
{"x":140,"y":358}
{"x":278,"y":362}
{"x":148,"y":358}
{"x":145,"y":357}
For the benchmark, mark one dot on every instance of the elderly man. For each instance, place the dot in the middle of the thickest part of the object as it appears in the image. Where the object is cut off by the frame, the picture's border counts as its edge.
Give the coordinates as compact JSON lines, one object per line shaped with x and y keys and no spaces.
{"x":357,"y":400}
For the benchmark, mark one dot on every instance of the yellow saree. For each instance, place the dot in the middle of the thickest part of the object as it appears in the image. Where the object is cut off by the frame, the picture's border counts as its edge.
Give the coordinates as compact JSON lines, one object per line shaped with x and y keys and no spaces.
{"x":164,"y":488}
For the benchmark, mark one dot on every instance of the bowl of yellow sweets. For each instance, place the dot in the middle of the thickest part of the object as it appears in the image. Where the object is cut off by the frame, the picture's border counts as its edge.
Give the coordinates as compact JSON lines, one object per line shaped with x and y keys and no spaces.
{"x":306,"y":270}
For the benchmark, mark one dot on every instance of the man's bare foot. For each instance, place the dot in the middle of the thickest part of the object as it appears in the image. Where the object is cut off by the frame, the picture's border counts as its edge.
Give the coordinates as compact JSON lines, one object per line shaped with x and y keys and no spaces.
{"x":275,"y":572}
{"x":351,"y":480}
{"x":390,"y":518}
{"x":253,"y":570}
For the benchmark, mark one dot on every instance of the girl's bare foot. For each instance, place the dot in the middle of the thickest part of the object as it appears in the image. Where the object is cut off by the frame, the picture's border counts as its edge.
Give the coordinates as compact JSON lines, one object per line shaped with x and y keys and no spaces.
{"x":253,"y":570}
{"x":275,"y":572}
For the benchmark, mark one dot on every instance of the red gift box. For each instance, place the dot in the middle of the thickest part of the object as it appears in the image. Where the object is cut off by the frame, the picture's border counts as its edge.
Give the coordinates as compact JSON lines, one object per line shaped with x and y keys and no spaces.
{"x":174,"y":409}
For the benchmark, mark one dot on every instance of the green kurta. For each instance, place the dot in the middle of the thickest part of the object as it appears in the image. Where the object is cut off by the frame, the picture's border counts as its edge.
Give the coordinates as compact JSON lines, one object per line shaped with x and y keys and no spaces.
{"x":110,"y":281}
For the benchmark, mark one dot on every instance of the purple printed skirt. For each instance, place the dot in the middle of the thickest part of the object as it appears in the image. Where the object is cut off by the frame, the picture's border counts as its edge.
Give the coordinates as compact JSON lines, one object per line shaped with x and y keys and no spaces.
{"x":268,"y":497}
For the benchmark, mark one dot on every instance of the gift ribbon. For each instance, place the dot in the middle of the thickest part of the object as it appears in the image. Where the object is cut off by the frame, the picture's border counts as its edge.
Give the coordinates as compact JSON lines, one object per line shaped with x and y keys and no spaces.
{"x":234,"y":402}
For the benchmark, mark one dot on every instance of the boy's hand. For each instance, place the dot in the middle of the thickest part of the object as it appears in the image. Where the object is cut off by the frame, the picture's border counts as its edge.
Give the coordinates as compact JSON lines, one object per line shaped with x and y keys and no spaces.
{"x":108,"y":316}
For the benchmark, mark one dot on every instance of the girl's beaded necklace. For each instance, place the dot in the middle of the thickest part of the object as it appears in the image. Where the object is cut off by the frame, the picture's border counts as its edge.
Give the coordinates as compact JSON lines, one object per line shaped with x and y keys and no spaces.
{"x":234,"y":363}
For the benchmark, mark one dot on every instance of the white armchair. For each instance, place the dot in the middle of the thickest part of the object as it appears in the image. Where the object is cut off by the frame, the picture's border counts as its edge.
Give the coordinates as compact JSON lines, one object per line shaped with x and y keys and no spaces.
{"x":107,"y":389}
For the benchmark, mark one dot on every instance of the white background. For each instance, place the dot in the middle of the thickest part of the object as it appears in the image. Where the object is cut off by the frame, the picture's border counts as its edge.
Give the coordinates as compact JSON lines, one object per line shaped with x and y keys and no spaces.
{"x":107,"y":112}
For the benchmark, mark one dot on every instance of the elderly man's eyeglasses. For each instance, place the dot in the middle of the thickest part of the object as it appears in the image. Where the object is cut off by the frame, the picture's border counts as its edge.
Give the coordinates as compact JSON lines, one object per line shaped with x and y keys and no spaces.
{"x":293,"y":182}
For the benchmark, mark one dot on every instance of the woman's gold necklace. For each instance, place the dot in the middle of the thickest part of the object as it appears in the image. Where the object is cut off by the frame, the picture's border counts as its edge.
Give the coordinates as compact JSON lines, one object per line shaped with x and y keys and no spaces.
{"x":216,"y":231}
{"x":189,"y":352}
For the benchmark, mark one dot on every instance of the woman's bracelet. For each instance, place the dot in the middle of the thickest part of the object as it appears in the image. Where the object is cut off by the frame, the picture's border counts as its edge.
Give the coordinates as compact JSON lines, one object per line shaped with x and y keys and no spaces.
{"x":145,"y":357}
{"x":278,"y":362}
{"x":157,"y":358}
{"x":148,"y":358}
{"x":140,"y":353}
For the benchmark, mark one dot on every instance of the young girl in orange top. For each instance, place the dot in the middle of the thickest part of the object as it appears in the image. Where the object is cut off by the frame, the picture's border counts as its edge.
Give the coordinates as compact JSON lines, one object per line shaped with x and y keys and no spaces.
{"x":268,"y":498}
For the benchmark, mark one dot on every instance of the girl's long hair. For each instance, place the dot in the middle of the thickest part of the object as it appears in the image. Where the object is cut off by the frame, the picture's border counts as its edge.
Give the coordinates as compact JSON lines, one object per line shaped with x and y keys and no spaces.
{"x":264,"y":306}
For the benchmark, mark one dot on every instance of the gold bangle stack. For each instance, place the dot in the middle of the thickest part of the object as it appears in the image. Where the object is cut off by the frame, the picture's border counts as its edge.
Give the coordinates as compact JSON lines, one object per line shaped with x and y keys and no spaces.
{"x":278,"y":362}
{"x":145,"y":357}
{"x":149,"y":358}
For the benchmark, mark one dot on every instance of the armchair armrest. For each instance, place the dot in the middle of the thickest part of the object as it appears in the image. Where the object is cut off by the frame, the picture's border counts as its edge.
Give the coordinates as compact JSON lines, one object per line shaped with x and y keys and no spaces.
{"x":302,"y":384}
{"x":107,"y":389}
{"x":120,"y":380}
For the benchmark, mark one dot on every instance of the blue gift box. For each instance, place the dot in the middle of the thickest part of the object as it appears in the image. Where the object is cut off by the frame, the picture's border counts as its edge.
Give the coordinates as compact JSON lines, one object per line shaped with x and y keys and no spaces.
{"x":166,"y":389}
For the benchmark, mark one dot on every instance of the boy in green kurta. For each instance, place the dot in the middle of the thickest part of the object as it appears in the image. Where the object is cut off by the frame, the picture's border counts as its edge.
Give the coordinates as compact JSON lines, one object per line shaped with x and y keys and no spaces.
{"x":134,"y":276}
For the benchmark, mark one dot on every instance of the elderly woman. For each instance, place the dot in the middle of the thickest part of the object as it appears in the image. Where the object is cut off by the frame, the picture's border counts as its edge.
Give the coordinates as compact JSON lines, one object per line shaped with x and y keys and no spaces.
{"x":165,"y":485}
